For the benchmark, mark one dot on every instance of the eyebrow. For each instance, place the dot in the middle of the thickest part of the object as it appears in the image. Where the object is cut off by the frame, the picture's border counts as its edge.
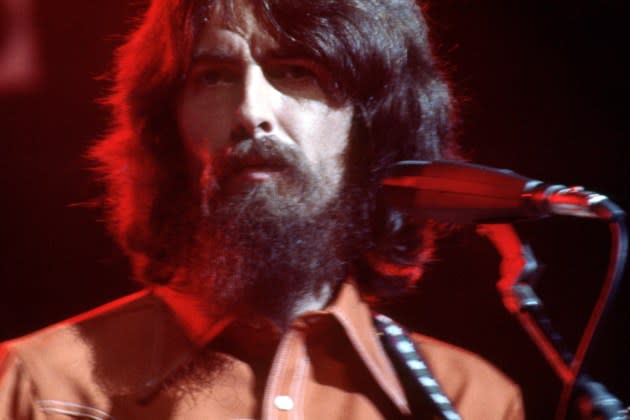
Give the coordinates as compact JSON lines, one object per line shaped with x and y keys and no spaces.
{"x":290,"y":53}
{"x":229,"y":58}
{"x":215,"y":57}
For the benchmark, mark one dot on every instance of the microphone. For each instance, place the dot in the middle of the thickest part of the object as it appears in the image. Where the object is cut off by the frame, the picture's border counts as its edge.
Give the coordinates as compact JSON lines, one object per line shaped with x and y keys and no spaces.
{"x":459,"y":192}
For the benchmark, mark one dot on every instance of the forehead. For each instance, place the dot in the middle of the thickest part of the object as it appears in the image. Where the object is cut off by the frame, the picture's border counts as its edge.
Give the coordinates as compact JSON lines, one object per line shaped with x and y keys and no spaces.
{"x":235,"y":15}
{"x":242,"y":17}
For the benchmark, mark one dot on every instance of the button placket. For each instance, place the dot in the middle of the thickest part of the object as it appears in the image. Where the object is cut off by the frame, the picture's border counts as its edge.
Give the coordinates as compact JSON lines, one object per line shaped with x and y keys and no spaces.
{"x":284,"y":385}
{"x":284,"y":403}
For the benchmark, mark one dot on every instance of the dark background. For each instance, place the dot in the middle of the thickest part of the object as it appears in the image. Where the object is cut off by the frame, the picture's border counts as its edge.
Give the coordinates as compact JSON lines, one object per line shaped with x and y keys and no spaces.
{"x":543,"y":85}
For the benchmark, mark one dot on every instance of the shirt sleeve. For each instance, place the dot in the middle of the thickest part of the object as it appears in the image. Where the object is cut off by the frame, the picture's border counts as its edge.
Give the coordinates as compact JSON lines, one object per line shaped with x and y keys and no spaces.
{"x":477,"y":390}
{"x":17,"y":401}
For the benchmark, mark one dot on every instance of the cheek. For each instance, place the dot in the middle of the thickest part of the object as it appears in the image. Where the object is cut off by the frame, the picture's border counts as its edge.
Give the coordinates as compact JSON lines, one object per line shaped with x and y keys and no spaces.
{"x":203,"y":126}
{"x":335,"y":134}
{"x":323,"y":136}
{"x":320,"y":131}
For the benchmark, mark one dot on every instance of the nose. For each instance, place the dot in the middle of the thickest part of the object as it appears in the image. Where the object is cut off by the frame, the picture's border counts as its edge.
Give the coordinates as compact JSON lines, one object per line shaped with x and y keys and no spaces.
{"x":255,"y":112}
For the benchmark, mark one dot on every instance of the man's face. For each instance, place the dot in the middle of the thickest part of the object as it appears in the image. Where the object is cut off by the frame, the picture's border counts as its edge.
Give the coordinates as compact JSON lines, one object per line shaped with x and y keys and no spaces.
{"x":253,"y":117}
{"x":266,"y":147}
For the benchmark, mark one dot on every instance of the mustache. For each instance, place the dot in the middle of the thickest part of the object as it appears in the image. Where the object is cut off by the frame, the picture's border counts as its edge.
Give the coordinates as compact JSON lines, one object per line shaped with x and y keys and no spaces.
{"x":265,"y":151}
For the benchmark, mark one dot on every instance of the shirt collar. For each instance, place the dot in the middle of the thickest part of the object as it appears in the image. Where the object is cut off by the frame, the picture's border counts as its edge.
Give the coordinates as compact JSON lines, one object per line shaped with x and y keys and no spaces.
{"x":347,"y":308}
{"x":355,"y":317}
{"x":191,"y":318}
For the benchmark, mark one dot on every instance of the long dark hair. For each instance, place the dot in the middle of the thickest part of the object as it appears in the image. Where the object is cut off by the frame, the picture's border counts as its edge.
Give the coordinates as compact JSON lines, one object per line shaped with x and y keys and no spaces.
{"x":380,"y":55}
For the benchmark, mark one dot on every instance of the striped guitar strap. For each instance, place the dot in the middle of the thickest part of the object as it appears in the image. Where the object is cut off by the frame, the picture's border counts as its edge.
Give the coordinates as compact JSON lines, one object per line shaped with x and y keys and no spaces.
{"x":425,"y":395}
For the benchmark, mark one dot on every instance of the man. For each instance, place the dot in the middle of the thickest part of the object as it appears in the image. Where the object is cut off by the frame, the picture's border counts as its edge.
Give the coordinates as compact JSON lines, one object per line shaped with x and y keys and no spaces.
{"x":242,"y":173}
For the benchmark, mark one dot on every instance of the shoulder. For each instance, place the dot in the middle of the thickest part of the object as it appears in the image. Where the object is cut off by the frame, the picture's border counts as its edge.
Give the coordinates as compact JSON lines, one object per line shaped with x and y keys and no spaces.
{"x":477,"y":389}
{"x":76,"y":355}
{"x":16,"y":387}
{"x":73,"y":337}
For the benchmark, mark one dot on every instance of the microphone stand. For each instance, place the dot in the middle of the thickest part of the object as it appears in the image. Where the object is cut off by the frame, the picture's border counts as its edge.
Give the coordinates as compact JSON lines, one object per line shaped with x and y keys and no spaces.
{"x":467,"y":193}
{"x":518,"y":265}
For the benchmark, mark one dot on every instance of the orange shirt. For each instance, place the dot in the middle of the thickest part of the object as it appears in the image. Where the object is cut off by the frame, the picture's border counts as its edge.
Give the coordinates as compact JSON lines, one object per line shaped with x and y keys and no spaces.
{"x":131,"y":359}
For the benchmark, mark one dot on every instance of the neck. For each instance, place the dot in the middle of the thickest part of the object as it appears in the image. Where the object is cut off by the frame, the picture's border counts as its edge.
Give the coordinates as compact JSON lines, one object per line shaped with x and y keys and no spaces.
{"x":201,"y":327}
{"x":313,"y":301}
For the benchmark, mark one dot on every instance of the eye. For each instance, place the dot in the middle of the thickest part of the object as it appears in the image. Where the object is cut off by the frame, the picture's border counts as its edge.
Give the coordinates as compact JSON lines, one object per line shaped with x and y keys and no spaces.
{"x":211,"y":76}
{"x":290,"y":72}
{"x":299,"y":77}
{"x":294,"y":70}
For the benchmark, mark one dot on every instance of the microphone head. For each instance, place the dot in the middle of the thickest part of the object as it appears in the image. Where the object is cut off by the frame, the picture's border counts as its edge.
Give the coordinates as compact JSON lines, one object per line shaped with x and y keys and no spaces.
{"x":457,"y":192}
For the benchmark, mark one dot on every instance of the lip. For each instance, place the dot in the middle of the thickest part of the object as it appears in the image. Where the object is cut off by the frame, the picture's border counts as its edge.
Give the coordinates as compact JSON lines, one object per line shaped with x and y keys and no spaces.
{"x":259,"y":173}
{"x":256,"y":173}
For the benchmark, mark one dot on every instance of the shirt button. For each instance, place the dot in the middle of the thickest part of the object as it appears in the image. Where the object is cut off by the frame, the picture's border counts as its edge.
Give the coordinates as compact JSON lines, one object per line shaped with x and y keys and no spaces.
{"x":283,"y":402}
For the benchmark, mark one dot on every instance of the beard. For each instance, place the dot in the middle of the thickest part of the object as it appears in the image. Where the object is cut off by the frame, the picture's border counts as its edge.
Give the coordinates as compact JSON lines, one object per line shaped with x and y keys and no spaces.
{"x":268,"y":248}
